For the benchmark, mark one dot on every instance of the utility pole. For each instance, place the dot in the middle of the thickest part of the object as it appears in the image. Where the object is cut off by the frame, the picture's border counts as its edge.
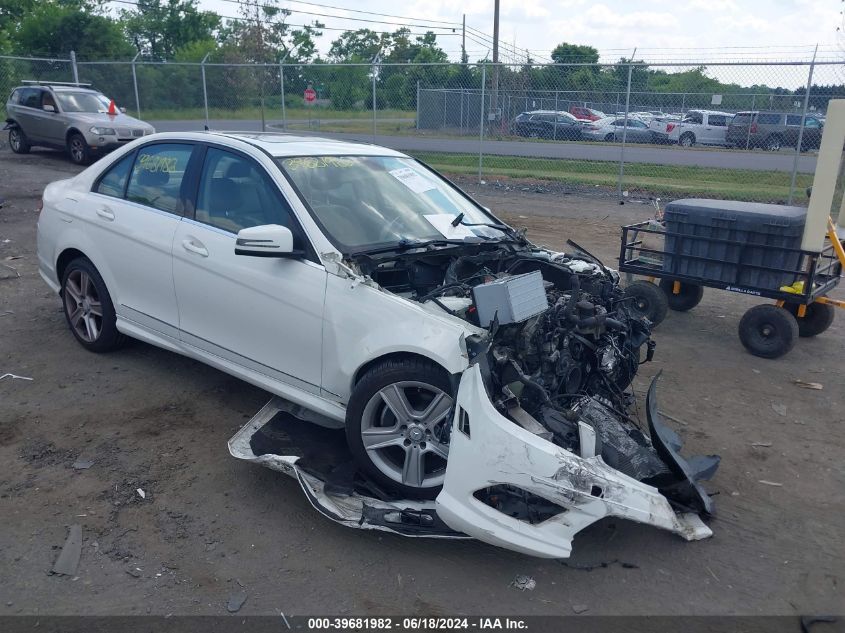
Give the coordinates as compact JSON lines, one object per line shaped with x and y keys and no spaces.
{"x":494,"y":101}
{"x":464,"y":41}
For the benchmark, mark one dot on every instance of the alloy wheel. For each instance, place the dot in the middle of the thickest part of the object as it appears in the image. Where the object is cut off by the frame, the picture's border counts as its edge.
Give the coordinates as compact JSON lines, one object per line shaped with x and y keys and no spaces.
{"x":402,"y":429}
{"x":83,"y":306}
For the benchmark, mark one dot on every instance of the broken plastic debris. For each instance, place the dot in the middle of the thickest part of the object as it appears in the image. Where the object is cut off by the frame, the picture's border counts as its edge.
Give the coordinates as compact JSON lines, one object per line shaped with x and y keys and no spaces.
{"x":83,"y":464}
{"x":770,"y":483}
{"x":141,"y":493}
{"x":236,"y":601}
{"x":780,"y":409}
{"x":761,"y":444}
{"x":809,"y":385}
{"x":68,"y":559}
{"x":580,"y":608}
{"x":524,"y":583}
{"x":14,"y":376}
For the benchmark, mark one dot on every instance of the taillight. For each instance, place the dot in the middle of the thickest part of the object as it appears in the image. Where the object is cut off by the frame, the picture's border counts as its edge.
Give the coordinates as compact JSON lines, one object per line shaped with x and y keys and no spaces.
{"x":40,"y":206}
{"x":754,"y":127}
{"x":669,"y":127}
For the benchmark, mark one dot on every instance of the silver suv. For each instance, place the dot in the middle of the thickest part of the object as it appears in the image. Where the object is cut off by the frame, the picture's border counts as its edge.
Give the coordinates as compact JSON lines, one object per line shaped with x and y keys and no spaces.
{"x":68,"y":116}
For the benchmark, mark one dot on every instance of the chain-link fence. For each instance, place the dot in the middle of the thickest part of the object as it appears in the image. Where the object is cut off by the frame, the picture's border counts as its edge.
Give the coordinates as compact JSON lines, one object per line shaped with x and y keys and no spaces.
{"x":734,"y":130}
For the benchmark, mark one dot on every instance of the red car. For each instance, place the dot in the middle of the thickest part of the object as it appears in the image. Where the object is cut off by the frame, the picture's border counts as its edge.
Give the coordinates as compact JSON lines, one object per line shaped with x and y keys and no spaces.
{"x":581,"y":112}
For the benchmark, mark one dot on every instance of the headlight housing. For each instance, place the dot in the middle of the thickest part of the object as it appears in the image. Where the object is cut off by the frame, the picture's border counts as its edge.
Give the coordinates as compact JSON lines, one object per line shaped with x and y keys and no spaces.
{"x":103,"y":131}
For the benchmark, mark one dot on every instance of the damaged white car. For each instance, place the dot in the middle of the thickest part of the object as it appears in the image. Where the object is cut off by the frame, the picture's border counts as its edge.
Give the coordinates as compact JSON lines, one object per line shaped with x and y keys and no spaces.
{"x":436,"y":374}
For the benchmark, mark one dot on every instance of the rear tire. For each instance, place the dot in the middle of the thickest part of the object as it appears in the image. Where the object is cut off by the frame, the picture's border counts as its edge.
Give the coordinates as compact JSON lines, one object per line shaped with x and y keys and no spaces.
{"x":648,"y":301}
{"x":610,"y":138}
{"x":689,"y":296}
{"x":78,"y":150}
{"x":687,"y":139}
{"x":773,"y":143}
{"x":18,"y":141}
{"x":88,"y":308}
{"x":817,"y":318}
{"x":768,"y":331}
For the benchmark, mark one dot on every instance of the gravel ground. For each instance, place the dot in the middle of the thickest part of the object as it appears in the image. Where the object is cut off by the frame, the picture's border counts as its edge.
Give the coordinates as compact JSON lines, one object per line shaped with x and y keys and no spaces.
{"x":211,"y":526}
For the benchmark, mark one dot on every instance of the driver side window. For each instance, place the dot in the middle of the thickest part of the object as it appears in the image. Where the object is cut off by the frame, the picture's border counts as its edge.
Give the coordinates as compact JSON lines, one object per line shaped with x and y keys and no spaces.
{"x":235,"y":193}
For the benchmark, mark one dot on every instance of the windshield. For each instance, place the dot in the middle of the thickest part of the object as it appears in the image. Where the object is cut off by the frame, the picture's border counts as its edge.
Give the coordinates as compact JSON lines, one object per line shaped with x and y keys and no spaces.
{"x":372,"y":201}
{"x":82,"y":102}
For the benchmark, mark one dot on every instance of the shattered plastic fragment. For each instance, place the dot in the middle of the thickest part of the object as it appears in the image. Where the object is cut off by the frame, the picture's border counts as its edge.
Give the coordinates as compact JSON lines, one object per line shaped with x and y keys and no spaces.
{"x":524,"y":583}
{"x":68,"y":559}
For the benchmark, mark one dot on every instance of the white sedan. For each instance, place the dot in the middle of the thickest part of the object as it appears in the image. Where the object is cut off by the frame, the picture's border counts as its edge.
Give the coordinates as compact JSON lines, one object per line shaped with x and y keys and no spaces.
{"x":470,"y":369}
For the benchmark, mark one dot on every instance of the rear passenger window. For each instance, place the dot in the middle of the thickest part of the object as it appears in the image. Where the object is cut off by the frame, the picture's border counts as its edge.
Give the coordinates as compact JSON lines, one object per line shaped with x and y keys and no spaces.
{"x":113,"y":183}
{"x":793,"y":119}
{"x":156,"y":179}
{"x":31,"y":98}
{"x":768,"y":119}
{"x":15,"y":96}
{"x":236,"y":193}
{"x":717,"y":120}
{"x":812,"y":122}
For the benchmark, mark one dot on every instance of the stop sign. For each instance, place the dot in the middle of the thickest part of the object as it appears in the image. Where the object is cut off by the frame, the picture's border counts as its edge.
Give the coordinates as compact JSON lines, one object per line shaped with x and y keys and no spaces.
{"x":310,"y":95}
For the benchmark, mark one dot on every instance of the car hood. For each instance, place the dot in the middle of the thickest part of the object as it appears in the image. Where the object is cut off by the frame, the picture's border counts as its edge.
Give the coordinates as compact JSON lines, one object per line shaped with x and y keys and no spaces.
{"x":111,"y":120}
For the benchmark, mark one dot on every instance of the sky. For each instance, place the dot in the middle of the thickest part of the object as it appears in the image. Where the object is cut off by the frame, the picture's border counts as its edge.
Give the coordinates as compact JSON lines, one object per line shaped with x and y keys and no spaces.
{"x":660,"y":30}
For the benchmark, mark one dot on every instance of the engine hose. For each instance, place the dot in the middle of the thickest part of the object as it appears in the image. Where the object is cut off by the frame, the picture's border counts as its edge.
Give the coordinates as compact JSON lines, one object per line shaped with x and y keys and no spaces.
{"x":591,"y":322}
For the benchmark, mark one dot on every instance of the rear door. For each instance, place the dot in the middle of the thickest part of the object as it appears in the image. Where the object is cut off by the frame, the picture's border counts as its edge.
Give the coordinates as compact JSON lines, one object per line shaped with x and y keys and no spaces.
{"x":26,"y":113}
{"x":262,"y":313}
{"x":134,"y":210}
{"x":715,"y":129}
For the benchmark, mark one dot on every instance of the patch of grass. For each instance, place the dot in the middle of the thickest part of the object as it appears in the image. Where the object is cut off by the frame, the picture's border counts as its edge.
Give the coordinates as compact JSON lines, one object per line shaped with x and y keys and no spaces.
{"x":735,"y":184}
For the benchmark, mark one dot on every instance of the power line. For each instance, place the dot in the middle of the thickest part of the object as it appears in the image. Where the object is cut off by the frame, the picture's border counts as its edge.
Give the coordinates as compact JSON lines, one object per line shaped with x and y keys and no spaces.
{"x":384,"y":15}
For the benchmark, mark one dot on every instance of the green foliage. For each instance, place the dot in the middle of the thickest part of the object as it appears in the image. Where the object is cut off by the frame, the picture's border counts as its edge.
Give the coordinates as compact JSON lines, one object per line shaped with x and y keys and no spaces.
{"x":159,"y":28}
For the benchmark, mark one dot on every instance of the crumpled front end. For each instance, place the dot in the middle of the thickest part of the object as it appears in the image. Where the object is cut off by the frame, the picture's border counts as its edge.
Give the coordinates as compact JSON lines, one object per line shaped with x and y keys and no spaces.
{"x":510,"y":487}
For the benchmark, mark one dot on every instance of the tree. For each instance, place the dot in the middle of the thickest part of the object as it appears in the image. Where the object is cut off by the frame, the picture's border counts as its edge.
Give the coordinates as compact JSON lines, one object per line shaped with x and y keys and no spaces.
{"x":357,"y":46}
{"x":574,"y":53}
{"x":54,"y":28}
{"x":159,"y":28}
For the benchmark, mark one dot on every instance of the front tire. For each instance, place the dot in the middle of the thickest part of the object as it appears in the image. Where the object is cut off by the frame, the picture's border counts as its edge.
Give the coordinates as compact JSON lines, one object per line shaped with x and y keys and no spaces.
{"x":78,"y":150}
{"x":773,"y":143}
{"x":88,"y":308}
{"x":768,"y":331}
{"x":397,"y":423}
{"x":18,"y":141}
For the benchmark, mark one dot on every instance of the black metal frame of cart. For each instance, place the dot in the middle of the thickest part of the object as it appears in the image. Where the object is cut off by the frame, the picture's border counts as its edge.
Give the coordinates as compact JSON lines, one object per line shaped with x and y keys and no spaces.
{"x":820,"y":272}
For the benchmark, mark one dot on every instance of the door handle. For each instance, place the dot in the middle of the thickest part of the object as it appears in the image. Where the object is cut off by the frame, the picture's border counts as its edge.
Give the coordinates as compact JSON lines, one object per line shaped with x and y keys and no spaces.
{"x":105,"y":213}
{"x":195,"y":247}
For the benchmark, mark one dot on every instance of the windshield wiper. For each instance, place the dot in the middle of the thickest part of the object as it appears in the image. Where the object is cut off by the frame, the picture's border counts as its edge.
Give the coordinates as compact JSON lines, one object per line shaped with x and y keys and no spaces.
{"x":404,"y":245}
{"x":459,"y":219}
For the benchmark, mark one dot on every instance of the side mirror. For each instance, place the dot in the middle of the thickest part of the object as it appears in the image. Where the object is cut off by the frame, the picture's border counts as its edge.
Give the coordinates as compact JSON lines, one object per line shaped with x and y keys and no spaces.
{"x":48,"y":108}
{"x":269,"y":240}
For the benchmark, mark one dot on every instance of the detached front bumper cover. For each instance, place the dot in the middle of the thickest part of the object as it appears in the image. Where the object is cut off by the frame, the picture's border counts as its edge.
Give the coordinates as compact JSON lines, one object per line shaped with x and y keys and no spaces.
{"x":487,"y":452}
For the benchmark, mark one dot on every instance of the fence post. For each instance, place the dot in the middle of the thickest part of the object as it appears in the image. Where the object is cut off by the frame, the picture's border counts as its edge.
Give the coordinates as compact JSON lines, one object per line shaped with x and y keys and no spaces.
{"x":282,"y":86}
{"x":374,"y":99}
{"x":624,"y":132}
{"x":750,"y":120}
{"x":73,"y":67}
{"x":135,"y":84}
{"x":801,"y":129}
{"x":204,"y":89}
{"x":418,"y":105}
{"x":481,"y":127}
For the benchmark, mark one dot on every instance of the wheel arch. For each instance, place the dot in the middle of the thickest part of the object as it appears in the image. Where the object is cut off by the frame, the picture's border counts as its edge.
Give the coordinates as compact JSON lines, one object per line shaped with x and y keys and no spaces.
{"x":71,"y":131}
{"x":65,"y":258}
{"x":397,"y":356}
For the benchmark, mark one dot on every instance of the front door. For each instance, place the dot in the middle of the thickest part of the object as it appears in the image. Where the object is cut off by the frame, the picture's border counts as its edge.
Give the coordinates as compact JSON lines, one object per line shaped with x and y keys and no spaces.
{"x":265,"y":314}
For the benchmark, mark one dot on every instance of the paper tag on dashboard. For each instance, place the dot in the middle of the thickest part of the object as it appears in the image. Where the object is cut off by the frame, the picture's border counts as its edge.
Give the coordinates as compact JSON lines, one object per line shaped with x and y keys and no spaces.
{"x":412,"y":180}
{"x":443,"y":223}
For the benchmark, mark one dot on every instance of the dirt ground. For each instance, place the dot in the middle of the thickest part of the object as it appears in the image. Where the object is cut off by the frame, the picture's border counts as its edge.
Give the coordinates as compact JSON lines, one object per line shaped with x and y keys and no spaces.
{"x":212,"y":526}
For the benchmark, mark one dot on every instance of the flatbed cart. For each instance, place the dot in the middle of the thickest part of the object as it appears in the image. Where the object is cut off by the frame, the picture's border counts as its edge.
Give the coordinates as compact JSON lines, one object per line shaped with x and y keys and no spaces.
{"x":802,"y":308}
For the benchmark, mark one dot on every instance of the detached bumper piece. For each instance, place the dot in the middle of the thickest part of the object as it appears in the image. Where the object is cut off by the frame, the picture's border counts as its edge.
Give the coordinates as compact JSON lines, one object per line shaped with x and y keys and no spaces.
{"x":504,"y":485}
{"x":318,"y":458}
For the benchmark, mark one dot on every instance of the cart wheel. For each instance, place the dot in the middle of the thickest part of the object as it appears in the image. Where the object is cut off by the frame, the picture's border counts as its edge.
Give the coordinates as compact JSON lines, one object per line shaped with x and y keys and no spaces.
{"x":768,"y":331}
{"x":816,"y":319}
{"x":689,"y":296}
{"x":649,"y":301}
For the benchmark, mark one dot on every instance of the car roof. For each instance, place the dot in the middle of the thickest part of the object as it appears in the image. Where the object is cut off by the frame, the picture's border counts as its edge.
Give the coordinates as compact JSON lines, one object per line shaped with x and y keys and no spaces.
{"x":281,"y":144}
{"x":710,"y":111}
{"x":54,"y":88}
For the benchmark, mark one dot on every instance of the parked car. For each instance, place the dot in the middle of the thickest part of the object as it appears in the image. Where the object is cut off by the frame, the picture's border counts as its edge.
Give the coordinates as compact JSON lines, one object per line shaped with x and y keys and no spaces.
{"x":583,"y":112}
{"x":774,"y":130}
{"x":547,"y":124}
{"x":702,"y":127}
{"x":463,"y":362}
{"x":611,"y":128}
{"x":72,"y":117}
